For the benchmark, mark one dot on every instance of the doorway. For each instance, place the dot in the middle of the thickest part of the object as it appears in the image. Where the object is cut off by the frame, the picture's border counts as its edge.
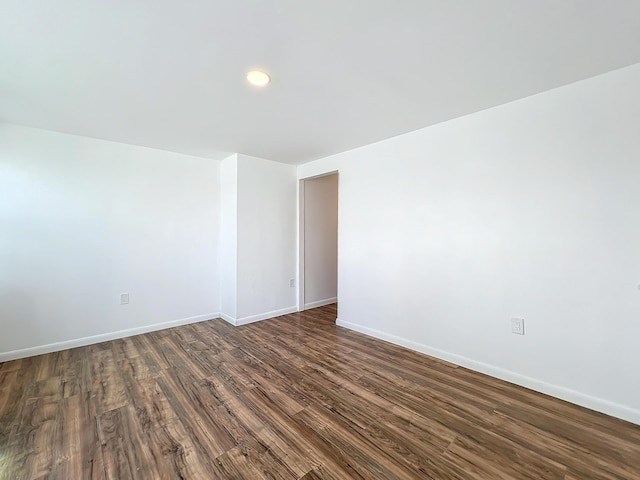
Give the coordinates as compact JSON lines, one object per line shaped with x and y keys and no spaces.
{"x":318,"y":241}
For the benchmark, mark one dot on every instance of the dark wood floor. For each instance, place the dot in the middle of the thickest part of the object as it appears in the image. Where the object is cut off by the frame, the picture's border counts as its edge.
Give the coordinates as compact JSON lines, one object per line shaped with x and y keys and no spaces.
{"x":293,"y":397}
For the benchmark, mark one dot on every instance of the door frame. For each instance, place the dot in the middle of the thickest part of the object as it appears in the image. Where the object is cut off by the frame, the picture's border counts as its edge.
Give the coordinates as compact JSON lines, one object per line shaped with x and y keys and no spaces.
{"x":301,"y":225}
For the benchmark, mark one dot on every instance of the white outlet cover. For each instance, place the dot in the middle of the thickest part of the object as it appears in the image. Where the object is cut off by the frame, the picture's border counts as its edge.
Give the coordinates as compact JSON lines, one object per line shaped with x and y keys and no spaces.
{"x":517,"y":326}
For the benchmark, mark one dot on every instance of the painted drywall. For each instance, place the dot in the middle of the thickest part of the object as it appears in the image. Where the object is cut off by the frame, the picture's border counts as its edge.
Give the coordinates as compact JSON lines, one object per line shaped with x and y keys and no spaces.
{"x":257,"y":253}
{"x":83,"y":220}
{"x":228,"y":254}
{"x":320,"y":240}
{"x":266,"y":238}
{"x":524,"y":210}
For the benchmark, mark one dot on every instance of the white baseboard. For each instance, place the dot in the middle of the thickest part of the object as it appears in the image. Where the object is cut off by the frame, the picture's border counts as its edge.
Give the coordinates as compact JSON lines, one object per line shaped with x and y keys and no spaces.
{"x":265,"y":316}
{"x":604,"y":406}
{"x":320,"y":303}
{"x":228,"y":318}
{"x":103,"y":337}
{"x":256,"y":318}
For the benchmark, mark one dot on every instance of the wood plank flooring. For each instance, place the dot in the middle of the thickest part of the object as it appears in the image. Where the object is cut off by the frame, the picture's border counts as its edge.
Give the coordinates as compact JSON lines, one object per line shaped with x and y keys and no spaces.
{"x":289,"y":398}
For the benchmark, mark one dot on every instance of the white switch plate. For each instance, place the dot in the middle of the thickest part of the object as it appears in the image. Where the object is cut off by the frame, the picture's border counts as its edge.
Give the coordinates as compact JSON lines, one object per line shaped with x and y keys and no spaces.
{"x":517,"y":326}
{"x":124,"y":298}
{"x":292,"y":283}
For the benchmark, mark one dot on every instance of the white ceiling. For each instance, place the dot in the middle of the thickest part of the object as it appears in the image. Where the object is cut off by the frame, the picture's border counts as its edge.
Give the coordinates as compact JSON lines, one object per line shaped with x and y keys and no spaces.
{"x":170,"y":74}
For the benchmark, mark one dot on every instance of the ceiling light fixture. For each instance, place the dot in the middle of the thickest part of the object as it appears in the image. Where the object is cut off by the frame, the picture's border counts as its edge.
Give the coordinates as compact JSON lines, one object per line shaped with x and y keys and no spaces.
{"x":258,"y":78}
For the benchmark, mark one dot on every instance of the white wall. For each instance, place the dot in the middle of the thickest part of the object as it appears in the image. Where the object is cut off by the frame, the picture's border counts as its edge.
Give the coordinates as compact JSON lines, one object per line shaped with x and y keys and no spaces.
{"x":266,"y":238}
{"x":228,"y":255}
{"x":527,"y":209}
{"x":83,"y":220}
{"x":320,"y":240}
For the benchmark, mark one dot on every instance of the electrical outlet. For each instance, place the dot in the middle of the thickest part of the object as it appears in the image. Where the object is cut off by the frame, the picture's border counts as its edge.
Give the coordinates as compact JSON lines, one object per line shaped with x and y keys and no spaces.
{"x":517,"y":326}
{"x":124,"y":298}
{"x":292,"y":283}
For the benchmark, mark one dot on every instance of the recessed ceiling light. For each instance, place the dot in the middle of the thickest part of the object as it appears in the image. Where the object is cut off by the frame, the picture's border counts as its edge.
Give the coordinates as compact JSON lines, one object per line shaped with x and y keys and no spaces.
{"x":258,"y":78}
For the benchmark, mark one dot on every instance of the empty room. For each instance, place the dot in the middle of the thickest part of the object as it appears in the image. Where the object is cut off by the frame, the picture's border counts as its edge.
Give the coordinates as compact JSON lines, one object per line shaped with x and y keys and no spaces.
{"x":284,"y":239}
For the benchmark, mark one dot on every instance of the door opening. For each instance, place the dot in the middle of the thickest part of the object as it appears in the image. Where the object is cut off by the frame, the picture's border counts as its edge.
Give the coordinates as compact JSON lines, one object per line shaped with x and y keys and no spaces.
{"x":318,"y":274}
